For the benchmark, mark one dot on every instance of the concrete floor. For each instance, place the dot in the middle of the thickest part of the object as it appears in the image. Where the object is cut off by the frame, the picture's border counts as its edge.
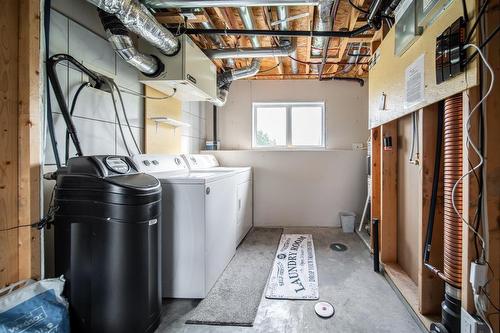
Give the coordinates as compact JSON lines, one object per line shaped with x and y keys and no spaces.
{"x":363,"y":300}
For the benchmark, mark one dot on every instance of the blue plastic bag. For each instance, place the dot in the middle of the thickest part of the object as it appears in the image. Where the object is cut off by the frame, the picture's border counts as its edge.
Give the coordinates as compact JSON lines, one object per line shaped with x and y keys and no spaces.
{"x":37,"y":307}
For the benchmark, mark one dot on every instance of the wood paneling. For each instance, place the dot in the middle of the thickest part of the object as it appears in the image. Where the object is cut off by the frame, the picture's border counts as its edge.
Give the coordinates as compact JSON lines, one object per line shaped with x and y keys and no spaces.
{"x":430,"y":286}
{"x":161,"y":138}
{"x":19,"y":140}
{"x":393,"y":67}
{"x":409,"y":190}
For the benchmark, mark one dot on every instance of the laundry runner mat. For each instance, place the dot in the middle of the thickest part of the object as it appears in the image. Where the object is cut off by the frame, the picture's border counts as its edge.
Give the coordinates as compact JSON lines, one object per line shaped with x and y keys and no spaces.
{"x":294,"y":274}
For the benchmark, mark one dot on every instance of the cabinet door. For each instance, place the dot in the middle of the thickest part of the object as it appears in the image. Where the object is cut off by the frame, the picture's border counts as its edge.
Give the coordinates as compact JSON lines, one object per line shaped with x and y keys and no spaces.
{"x":244,"y":206}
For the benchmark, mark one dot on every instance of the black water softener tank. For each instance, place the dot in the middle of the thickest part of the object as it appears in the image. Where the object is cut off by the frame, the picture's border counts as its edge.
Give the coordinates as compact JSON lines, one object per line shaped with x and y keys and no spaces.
{"x":106,"y":232}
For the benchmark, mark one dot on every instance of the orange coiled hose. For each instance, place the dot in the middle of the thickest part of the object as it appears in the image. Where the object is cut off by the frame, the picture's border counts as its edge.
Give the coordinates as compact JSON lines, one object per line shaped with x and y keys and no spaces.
{"x":453,"y":159}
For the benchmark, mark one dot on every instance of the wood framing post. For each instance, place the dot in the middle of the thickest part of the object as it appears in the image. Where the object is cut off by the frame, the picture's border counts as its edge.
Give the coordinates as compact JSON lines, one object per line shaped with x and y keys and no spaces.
{"x":430,"y":286}
{"x":388,"y":194}
{"x":19,"y":140}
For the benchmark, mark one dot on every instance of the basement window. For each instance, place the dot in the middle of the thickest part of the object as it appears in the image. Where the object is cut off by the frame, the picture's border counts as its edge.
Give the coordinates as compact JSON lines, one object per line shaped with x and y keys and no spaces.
{"x":288,"y":125}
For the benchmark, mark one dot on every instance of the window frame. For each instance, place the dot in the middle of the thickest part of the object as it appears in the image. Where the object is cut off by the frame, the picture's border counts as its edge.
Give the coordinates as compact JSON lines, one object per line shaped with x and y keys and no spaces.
{"x":288,"y":106}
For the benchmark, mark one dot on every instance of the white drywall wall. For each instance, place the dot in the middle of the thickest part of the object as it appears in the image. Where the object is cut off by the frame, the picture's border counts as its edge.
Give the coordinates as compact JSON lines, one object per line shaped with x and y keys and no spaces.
{"x":302,"y":188}
{"x":346,"y":109}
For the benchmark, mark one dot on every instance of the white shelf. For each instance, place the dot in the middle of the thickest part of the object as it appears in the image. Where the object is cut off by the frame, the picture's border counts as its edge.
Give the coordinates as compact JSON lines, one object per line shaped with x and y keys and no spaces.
{"x":169,"y":121}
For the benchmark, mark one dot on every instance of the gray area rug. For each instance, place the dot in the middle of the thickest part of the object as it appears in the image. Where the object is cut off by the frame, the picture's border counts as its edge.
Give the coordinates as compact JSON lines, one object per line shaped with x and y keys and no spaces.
{"x":235,"y":297}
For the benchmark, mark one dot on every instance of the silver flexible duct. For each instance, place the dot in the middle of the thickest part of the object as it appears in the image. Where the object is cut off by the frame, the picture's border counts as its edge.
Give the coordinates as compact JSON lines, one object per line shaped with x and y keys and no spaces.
{"x":323,"y":24}
{"x":225,"y":3}
{"x":282,"y":16}
{"x":136,"y":17}
{"x":125,"y":48}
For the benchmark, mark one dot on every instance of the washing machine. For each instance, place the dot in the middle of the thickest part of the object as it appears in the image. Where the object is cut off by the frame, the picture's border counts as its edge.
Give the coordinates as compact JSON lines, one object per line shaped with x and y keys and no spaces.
{"x":244,"y":188}
{"x":198,"y":224}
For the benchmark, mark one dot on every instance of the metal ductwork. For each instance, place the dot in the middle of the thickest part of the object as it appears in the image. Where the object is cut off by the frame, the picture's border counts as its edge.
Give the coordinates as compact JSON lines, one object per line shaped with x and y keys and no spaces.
{"x":284,"y":50}
{"x":119,"y":38}
{"x":226,"y":3}
{"x":139,"y":20}
{"x":216,"y":39}
{"x":282,"y":16}
{"x":225,"y":78}
{"x":323,"y":24}
{"x":353,"y":60}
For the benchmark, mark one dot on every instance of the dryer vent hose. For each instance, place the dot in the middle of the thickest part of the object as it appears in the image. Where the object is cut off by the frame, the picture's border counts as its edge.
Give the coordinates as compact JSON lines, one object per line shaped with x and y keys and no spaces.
{"x":453,"y":159}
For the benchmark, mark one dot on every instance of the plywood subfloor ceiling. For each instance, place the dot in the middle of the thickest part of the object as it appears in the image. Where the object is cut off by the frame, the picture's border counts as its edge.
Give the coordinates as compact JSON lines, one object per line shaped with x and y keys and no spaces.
{"x":340,"y":50}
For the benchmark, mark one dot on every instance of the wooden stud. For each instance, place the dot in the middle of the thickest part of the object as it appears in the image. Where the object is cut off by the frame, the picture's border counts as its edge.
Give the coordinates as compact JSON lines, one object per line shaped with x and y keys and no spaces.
{"x":430,"y":286}
{"x":389,"y":197}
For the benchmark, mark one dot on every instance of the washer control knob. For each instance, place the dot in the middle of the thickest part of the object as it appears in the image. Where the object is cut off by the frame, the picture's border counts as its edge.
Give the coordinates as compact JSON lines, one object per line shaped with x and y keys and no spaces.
{"x":146,"y":163}
{"x":155,"y":162}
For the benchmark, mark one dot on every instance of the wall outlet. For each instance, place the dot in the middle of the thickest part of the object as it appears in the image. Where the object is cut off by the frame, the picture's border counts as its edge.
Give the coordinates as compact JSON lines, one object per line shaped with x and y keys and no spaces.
{"x":357,"y":146}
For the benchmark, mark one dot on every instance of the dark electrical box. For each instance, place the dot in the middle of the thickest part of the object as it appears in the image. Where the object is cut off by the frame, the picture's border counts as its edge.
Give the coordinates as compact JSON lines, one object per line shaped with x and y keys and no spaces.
{"x":449,"y":51}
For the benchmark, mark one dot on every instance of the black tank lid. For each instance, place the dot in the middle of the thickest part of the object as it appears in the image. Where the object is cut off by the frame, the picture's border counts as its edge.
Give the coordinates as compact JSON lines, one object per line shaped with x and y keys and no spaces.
{"x":117,"y":170}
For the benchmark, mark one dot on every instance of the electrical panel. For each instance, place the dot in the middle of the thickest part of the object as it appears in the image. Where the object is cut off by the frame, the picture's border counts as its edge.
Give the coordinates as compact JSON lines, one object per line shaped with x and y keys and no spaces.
{"x":449,"y":51}
{"x":407,"y":29}
{"x":190,"y":72}
{"x":428,"y":10}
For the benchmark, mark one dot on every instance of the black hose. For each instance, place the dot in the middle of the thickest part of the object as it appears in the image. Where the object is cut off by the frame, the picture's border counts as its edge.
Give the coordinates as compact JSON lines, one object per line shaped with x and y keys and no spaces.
{"x":56,"y":86}
{"x":215,"y":123}
{"x":72,"y":110}
{"x":50,"y":120}
{"x":435,"y":183}
{"x":341,"y":78}
{"x":278,"y":33}
{"x":376,"y":259}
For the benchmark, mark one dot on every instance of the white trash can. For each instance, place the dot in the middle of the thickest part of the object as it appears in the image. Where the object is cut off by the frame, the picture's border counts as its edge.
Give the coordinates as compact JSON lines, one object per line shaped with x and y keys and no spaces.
{"x":347,"y":221}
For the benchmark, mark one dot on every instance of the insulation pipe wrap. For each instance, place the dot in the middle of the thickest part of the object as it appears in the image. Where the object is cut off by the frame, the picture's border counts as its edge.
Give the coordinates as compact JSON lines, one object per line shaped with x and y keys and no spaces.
{"x":453,"y":159}
{"x":136,"y":17}
{"x":119,"y":38}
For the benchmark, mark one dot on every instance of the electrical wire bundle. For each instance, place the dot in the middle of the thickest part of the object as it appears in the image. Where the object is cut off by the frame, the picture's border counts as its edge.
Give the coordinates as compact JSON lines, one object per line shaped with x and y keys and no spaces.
{"x":480,"y":219}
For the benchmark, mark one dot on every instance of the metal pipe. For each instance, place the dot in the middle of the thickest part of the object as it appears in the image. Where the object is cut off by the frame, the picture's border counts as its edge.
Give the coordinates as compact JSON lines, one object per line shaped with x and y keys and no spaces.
{"x":226,"y":3}
{"x":353,"y":60}
{"x":389,"y":11}
{"x":326,"y":44}
{"x":323,"y":24}
{"x":282,"y":16}
{"x":136,"y":17}
{"x":225,"y":79}
{"x":122,"y":44}
{"x":353,"y":79}
{"x":216,"y":39}
{"x":261,"y":52}
{"x":277,"y":33}
{"x":214,"y":114}
{"x":372,"y":21}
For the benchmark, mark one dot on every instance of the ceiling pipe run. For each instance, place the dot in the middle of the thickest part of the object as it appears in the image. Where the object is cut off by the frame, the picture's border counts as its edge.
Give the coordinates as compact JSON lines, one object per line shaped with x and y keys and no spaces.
{"x":216,"y":39}
{"x":261,"y":52}
{"x":324,"y":23}
{"x":226,"y":3}
{"x":282,"y":16}
{"x":277,"y":33}
{"x":139,"y":20}
{"x":225,"y":78}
